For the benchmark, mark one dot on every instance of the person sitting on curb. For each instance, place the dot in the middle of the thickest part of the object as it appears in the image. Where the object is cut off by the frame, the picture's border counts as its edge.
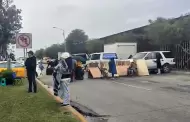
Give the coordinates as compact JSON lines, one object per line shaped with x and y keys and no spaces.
{"x":132,"y":70}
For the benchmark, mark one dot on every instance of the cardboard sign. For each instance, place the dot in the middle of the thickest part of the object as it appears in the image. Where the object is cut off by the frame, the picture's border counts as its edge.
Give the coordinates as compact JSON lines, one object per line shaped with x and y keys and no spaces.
{"x":95,"y":72}
{"x":93,"y":65}
{"x":122,"y":70}
{"x":142,"y":67}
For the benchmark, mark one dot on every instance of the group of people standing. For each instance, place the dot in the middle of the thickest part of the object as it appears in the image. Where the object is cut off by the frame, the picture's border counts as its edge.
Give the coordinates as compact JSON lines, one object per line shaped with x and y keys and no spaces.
{"x":132,"y":70}
{"x":63,"y":73}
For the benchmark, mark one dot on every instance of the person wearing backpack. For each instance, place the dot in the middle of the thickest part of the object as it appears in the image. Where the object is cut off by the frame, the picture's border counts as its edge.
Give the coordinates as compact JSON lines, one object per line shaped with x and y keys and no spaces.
{"x":62,"y":78}
{"x":41,"y":67}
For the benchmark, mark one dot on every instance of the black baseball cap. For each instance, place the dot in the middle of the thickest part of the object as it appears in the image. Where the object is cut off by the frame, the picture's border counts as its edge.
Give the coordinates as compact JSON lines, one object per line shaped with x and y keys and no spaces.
{"x":30,"y":52}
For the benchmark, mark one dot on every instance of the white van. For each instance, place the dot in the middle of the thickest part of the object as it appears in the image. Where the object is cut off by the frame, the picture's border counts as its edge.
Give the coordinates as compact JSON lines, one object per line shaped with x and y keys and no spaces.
{"x":103,"y":56}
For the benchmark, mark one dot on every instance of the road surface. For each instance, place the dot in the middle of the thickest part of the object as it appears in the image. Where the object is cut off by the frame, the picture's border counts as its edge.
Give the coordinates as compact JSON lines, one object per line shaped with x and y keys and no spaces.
{"x":164,"y":98}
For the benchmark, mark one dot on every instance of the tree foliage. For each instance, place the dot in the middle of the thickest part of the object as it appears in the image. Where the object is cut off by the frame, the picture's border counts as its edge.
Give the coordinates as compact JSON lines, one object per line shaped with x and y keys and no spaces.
{"x":164,"y":31}
{"x":40,"y":53}
{"x":10,"y":22}
{"x":160,"y":32}
{"x":53,"y":50}
{"x":76,"y":41}
{"x":94,"y":45}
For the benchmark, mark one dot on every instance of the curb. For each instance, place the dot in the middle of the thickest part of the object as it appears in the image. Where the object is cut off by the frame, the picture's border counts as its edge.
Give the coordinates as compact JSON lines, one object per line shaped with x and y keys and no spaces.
{"x":79,"y":116}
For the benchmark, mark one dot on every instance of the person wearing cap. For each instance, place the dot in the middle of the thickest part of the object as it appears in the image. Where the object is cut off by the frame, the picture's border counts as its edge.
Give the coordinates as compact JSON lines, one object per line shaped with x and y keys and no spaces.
{"x":62,"y":78}
{"x":30,"y":64}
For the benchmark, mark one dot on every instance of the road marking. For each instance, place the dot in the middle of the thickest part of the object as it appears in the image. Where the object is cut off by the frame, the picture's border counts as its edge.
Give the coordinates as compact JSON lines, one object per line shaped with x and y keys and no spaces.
{"x":138,"y":87}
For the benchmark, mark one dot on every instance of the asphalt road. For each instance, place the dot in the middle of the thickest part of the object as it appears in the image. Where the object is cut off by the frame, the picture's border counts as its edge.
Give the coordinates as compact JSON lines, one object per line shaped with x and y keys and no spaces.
{"x":164,"y":98}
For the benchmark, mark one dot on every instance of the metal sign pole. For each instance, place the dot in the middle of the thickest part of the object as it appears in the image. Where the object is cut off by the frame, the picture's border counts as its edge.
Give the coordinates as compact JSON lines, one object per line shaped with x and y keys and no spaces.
{"x":64,"y":40}
{"x":24,"y":54}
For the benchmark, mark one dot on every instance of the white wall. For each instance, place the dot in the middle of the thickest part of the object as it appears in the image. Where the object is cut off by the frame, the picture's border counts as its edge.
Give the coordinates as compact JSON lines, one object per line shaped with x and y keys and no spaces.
{"x":110,"y":47}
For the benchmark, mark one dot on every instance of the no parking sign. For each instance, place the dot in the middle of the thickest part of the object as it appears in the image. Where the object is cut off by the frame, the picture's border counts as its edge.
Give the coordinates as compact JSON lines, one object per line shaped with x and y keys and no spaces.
{"x":24,"y":40}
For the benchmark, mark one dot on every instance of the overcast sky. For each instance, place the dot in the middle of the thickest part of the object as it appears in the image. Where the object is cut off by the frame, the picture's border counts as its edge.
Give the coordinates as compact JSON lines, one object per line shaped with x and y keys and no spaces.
{"x":98,"y":18}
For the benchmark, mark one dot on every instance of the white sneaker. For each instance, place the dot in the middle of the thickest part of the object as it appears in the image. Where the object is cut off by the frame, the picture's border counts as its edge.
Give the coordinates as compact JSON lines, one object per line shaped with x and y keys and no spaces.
{"x":159,"y":72}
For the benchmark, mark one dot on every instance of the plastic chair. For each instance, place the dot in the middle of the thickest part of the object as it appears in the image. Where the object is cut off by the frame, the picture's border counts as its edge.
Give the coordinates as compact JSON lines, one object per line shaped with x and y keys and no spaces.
{"x":3,"y":82}
{"x":17,"y":80}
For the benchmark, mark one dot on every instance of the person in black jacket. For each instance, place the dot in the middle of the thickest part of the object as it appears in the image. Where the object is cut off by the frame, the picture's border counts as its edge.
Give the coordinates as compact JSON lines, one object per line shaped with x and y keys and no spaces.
{"x":30,"y":64}
{"x":158,"y":62}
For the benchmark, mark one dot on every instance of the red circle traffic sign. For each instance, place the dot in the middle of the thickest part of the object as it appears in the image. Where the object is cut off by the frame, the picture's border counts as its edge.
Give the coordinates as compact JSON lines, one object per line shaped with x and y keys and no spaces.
{"x":24,"y":41}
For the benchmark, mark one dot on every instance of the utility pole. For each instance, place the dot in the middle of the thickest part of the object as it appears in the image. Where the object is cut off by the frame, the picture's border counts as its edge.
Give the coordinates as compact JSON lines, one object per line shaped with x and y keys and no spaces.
{"x":64,"y":40}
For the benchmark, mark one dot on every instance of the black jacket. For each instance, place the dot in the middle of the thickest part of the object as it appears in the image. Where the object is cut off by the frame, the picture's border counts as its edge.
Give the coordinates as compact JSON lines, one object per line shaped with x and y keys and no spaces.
{"x":158,"y":60}
{"x":69,"y":62}
{"x":30,"y":63}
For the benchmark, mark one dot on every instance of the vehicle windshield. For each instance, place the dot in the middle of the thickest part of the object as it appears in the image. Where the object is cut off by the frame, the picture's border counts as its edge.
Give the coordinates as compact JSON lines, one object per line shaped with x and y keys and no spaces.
{"x":95,"y":57}
{"x":16,"y":65}
{"x":3,"y":65}
{"x":109,"y":55}
{"x":82,"y":55}
{"x":13,"y":65}
{"x":139,"y":56}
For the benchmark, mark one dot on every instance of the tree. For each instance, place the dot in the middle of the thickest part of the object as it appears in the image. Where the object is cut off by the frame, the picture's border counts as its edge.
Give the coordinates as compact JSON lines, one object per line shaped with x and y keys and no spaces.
{"x":94,"y":45}
{"x":184,"y":25}
{"x":10,"y":23}
{"x":164,"y":31}
{"x":39,"y":53}
{"x":76,"y":41}
{"x":53,"y":50}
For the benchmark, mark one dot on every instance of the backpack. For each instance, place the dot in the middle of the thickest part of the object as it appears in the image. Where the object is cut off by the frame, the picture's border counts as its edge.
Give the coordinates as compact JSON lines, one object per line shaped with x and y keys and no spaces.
{"x":41,"y":66}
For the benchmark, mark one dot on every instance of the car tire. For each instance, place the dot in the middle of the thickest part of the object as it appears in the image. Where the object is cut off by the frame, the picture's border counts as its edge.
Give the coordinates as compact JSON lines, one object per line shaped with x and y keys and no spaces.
{"x":166,"y":68}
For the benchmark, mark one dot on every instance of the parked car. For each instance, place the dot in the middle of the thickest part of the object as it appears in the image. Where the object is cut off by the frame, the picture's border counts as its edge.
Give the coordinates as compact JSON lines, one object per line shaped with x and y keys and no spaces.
{"x":15,"y":66}
{"x":167,"y":60}
{"x":103,"y":56}
{"x":19,"y":67}
{"x":83,"y":55}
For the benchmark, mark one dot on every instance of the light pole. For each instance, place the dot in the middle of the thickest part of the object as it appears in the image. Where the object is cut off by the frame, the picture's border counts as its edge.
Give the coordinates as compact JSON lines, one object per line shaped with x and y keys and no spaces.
{"x":63,"y":37}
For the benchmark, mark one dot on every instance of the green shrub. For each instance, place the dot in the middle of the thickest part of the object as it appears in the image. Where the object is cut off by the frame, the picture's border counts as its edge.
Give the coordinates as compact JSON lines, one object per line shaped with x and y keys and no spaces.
{"x":8,"y":75}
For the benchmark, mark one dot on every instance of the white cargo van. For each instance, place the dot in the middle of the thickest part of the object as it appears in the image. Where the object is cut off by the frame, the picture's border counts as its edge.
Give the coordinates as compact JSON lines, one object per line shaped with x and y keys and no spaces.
{"x":103,"y":56}
{"x":123,"y":50}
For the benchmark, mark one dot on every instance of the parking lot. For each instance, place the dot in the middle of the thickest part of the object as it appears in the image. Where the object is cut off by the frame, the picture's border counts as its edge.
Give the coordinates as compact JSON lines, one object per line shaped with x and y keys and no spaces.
{"x":155,"y":98}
